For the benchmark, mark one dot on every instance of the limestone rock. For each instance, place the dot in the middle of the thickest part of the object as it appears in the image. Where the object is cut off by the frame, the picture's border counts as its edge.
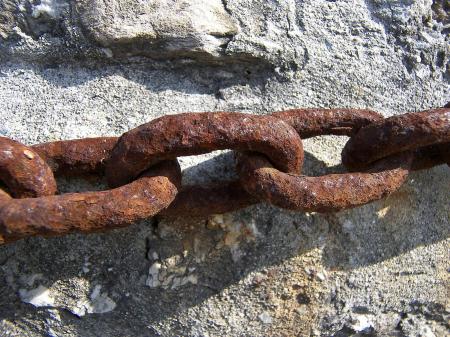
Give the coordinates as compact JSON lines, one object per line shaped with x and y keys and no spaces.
{"x":68,"y":69}
{"x":157,"y":28}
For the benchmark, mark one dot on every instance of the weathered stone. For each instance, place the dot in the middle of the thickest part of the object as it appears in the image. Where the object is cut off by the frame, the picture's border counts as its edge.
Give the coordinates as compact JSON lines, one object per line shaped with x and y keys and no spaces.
{"x":379,"y":269}
{"x":30,"y":18}
{"x":159,"y":29}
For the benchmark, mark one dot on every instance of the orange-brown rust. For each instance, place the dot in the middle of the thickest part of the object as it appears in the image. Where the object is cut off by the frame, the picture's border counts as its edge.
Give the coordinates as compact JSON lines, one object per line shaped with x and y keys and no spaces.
{"x":396,"y":134}
{"x":387,"y":149}
{"x":313,"y":122}
{"x":331,"y":192}
{"x":91,"y":211}
{"x":23,"y":171}
{"x":195,"y":133}
{"x":200,"y":201}
{"x":4,"y":198}
{"x":76,"y":156}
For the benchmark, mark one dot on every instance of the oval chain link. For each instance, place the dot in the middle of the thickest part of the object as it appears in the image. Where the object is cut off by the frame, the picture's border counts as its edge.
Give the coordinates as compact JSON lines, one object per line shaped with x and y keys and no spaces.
{"x":142,"y":167}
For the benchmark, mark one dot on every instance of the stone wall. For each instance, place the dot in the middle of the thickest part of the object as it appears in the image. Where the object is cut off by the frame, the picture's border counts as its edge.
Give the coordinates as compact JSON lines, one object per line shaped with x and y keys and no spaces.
{"x":72,"y":69}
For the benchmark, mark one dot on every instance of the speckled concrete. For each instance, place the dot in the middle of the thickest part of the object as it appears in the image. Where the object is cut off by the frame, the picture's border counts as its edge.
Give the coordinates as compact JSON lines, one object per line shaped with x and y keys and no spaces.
{"x":381,"y":269}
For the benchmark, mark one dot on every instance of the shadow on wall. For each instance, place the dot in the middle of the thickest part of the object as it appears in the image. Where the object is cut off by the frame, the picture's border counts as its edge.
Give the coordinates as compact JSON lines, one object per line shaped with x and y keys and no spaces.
{"x":156,"y":78}
{"x":200,"y":258}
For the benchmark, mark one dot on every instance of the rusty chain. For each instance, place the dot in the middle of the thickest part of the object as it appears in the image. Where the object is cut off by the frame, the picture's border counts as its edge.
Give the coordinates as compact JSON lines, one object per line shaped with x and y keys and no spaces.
{"x":142,"y":168}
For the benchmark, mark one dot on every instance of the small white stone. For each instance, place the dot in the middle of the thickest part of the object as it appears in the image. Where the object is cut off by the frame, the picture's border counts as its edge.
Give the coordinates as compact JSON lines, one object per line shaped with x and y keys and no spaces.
{"x":80,"y":309}
{"x":309,"y":270}
{"x":190,"y":279}
{"x":153,"y":279}
{"x":96,"y":292}
{"x":39,"y":297}
{"x":101,"y":305}
{"x":265,"y":318}
{"x":154,"y":268}
{"x":303,"y":310}
{"x":361,"y":323}
{"x":321,"y":276}
{"x":172,"y":261}
{"x":108,"y":52}
{"x":176,"y":282}
{"x":46,"y":7}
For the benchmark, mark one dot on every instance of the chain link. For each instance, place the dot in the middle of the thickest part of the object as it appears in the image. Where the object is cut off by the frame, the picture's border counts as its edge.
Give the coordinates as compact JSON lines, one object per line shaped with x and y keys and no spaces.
{"x":142,"y":167}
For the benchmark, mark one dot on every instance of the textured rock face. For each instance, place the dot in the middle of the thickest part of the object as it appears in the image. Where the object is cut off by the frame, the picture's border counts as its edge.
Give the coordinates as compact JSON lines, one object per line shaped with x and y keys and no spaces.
{"x":181,"y":31}
{"x":157,"y":28}
{"x":381,"y":269}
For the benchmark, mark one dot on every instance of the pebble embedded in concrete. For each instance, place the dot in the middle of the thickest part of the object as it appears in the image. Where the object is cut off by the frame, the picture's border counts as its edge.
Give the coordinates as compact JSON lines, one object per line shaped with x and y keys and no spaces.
{"x":39,"y":297}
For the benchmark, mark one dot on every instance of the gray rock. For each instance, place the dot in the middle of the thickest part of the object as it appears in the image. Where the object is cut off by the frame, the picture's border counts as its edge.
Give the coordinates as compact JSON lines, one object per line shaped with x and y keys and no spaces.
{"x":160,"y":29}
{"x":378,"y":269}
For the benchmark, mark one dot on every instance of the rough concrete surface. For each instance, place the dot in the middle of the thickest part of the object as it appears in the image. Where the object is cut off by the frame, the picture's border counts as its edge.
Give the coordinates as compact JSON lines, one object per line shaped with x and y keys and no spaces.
{"x":381,"y":269}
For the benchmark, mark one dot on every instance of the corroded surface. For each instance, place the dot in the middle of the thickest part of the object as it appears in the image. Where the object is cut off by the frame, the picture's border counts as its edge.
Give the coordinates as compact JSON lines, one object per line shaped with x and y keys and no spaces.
{"x":315,"y":122}
{"x":329,"y":193}
{"x":202,"y":201}
{"x":276,"y":136}
{"x":76,"y":156}
{"x":396,"y":134}
{"x":91,"y":211}
{"x":332,"y":192}
{"x":23,"y":171}
{"x":195,"y":133}
{"x":379,"y":269}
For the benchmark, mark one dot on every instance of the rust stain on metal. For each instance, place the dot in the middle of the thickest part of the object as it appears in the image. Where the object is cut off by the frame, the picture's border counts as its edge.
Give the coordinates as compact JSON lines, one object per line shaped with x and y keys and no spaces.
{"x":196,"y":133}
{"x":313,"y":122}
{"x":387,"y":149}
{"x":397,"y":134}
{"x":76,"y":156}
{"x":23,"y":171}
{"x":91,"y":211}
{"x":432,"y":155}
{"x":201,"y":201}
{"x":4,"y":197}
{"x":444,"y":150}
{"x":331,"y":192}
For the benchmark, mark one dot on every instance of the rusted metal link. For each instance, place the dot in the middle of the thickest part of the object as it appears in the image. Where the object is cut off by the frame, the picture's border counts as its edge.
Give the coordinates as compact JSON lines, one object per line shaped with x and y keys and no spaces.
{"x":23,"y":171}
{"x":76,"y":156}
{"x":387,"y":149}
{"x":432,"y":155}
{"x":90,"y":211}
{"x":396,"y":134}
{"x":313,"y":122}
{"x":88,"y":155}
{"x":201,"y":201}
{"x":195,"y":133}
{"x":331,"y":192}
